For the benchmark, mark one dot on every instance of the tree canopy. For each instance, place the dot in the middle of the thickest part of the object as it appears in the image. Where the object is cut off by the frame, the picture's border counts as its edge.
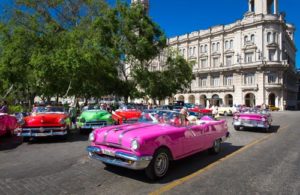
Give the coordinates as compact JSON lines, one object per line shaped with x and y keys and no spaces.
{"x":84,"y":48}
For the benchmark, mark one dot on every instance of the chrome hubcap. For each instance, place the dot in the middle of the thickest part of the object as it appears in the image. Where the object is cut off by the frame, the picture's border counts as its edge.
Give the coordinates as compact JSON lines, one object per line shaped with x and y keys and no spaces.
{"x":217,"y":145}
{"x":161,"y":164}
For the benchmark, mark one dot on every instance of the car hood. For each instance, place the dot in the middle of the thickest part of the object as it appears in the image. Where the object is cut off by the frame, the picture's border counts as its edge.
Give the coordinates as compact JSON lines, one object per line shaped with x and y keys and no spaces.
{"x":123,"y":135}
{"x":91,"y":115}
{"x":44,"y":119}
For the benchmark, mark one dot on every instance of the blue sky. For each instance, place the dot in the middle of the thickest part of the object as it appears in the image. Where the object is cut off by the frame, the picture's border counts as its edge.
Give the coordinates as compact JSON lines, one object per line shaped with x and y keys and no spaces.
{"x":177,"y":17}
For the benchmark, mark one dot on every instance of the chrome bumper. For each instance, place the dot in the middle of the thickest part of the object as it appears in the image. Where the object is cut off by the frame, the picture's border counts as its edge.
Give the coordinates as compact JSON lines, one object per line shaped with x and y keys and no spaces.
{"x":42,"y":132}
{"x":248,"y":124}
{"x":120,"y":159}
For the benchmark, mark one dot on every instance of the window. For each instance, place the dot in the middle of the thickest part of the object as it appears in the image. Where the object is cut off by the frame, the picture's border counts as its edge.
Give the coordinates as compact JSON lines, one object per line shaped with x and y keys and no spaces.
{"x":203,"y":63}
{"x":252,"y":38}
{"x":202,"y":82}
{"x":271,"y":78}
{"x":248,"y":57}
{"x":231,"y":44}
{"x":205,"y":48}
{"x":228,"y":60}
{"x":227,"y":45}
{"x":215,"y":81}
{"x":245,"y":40}
{"x":201,"y":49}
{"x":216,"y":62}
{"x":228,"y":80}
{"x":214,"y":47}
{"x":249,"y":79}
{"x":191,"y":51}
{"x":194,"y":51}
{"x":272,"y":55}
{"x":269,"y":37}
{"x":218,"y":46}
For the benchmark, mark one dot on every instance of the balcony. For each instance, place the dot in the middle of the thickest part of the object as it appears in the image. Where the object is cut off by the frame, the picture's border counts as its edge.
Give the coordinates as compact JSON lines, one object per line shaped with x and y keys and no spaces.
{"x":253,"y":87}
{"x":273,"y":86}
{"x":213,"y":89}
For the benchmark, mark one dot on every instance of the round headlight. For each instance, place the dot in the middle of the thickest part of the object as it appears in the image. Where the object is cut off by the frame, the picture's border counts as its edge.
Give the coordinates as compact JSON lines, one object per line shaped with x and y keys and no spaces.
{"x":263,"y":119}
{"x":82,"y":120}
{"x":21,"y":122}
{"x":62,"y":121}
{"x":134,"y":144}
{"x":92,"y":137}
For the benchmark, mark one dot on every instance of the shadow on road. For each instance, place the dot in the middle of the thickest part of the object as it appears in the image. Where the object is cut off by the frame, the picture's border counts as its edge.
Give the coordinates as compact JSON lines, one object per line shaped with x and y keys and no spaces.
{"x":181,"y":168}
{"x":10,"y":142}
{"x":74,"y":136}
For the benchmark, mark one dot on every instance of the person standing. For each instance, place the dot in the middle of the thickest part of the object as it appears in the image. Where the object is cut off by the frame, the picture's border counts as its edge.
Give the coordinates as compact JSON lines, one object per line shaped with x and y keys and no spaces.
{"x":183,"y":115}
{"x":4,"y":107}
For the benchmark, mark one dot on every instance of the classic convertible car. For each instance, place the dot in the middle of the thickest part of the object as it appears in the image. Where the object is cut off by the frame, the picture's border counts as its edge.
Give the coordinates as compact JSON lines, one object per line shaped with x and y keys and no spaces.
{"x":126,"y":114}
{"x":150,"y":145}
{"x":226,"y":111}
{"x":252,"y":118}
{"x":93,"y":118}
{"x":45,"y":121}
{"x":8,"y":124}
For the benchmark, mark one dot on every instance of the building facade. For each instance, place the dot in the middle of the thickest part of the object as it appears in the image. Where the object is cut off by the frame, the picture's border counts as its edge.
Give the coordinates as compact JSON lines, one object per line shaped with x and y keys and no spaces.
{"x":249,"y":62}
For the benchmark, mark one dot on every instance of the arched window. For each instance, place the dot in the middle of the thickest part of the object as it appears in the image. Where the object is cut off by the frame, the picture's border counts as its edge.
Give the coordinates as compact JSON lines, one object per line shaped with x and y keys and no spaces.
{"x":269,"y":37}
{"x":226,"y":45}
{"x":252,"y":38}
{"x":214,"y":47}
{"x":245,"y":39}
{"x":231,"y":44}
{"x":218,"y":46}
{"x":194,"y":51}
{"x":205,"y":48}
{"x":201,"y":49}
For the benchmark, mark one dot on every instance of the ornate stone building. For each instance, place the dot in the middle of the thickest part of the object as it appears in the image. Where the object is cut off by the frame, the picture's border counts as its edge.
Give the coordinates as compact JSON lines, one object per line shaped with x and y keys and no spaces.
{"x":251,"y":61}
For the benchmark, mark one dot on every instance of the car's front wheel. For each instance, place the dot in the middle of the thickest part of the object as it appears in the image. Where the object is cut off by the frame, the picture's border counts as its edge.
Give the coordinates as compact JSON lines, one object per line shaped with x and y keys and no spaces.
{"x":237,"y":128}
{"x":216,"y":147}
{"x":159,"y":165}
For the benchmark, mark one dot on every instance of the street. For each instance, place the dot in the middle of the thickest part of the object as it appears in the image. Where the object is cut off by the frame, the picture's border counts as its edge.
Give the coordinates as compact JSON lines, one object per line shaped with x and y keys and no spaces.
{"x":251,"y":162}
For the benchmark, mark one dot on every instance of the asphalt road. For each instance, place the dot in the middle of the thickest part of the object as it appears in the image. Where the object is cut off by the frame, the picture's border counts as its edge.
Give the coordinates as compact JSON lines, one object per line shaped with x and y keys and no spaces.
{"x":251,"y":162}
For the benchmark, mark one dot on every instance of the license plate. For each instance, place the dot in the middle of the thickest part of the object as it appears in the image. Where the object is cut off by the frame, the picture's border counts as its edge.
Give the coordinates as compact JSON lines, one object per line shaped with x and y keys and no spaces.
{"x":41,"y":134}
{"x":108,"y":152}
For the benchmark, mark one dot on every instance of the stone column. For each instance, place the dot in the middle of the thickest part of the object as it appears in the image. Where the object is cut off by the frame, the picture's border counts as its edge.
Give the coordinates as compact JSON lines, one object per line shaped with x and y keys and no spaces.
{"x":276,"y":7}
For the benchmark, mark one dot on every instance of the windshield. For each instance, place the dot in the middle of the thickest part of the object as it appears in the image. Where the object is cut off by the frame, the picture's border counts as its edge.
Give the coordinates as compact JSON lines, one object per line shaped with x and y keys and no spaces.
{"x":91,"y":107}
{"x":48,"y":109}
{"x":162,"y":116}
{"x":253,"y":111}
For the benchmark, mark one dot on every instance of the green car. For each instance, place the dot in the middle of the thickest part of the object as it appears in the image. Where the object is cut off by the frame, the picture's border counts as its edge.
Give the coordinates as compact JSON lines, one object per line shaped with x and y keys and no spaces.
{"x":93,"y":119}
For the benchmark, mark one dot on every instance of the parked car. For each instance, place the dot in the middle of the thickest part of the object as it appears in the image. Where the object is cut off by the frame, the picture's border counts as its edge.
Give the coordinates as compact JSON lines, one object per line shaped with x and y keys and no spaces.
{"x":8,"y":124}
{"x":126,"y":114}
{"x":150,"y":145}
{"x":201,"y":109}
{"x":252,"y":118}
{"x":45,"y":121}
{"x":93,"y":118}
{"x":226,"y":111}
{"x":273,"y":108}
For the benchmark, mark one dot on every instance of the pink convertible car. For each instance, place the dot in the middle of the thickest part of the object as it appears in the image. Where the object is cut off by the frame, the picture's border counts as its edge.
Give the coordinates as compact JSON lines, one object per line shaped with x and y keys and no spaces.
{"x":252,"y":118}
{"x":150,"y":144}
{"x":7,"y":124}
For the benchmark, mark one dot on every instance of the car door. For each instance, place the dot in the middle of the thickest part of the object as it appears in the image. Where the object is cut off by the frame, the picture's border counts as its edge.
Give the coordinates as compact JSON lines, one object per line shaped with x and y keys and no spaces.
{"x":194,"y":136}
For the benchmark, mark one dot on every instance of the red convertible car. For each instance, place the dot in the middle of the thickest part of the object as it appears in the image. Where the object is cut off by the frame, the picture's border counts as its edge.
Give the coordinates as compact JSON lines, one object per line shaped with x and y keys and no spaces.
{"x":8,"y":124}
{"x":45,"y":121}
{"x":201,"y":110}
{"x":126,"y":114}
